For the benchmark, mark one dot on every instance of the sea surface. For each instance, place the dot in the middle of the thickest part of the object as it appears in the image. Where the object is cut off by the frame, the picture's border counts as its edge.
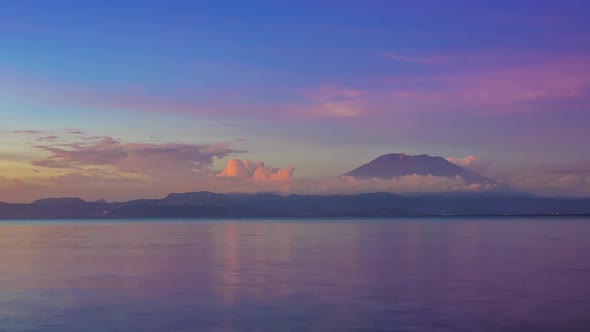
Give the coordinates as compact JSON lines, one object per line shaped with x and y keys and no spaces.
{"x":403,"y":274}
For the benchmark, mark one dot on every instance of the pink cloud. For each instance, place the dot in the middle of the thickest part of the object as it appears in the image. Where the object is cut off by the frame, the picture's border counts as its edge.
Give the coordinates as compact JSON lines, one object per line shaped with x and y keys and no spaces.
{"x":329,"y":101}
{"x":472,"y":163}
{"x":497,"y":89}
{"x":331,"y":92}
{"x":545,"y":84}
{"x":555,"y":177}
{"x":338,"y":109}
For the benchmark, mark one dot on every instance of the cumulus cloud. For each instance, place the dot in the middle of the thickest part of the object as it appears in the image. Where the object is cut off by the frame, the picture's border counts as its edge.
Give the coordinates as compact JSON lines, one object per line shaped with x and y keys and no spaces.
{"x":256,"y":170}
{"x":472,"y":163}
{"x":249,"y":176}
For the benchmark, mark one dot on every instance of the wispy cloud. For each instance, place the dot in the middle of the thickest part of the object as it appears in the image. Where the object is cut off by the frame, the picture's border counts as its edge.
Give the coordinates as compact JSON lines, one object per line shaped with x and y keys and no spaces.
{"x":143,"y":158}
{"x":527,"y":82}
{"x":427,"y":61}
{"x":330,"y":101}
{"x":536,"y":86}
{"x":48,"y":138}
{"x":74,"y":131}
{"x":28,"y":132}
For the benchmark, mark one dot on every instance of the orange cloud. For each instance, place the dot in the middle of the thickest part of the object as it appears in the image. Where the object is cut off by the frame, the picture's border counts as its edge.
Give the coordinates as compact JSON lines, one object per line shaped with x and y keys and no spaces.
{"x":255,"y":170}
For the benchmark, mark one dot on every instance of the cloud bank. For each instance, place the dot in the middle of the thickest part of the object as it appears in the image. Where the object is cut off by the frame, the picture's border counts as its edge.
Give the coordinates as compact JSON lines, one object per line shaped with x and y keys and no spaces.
{"x":94,"y":167}
{"x":253,"y":176}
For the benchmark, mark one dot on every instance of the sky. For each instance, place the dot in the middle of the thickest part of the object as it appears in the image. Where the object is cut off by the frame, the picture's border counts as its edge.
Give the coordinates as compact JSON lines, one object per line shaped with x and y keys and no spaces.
{"x":127,"y":99}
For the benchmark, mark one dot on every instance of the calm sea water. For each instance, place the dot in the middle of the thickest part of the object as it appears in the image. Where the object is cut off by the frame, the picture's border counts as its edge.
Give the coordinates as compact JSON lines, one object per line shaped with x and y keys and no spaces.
{"x":440,"y":274}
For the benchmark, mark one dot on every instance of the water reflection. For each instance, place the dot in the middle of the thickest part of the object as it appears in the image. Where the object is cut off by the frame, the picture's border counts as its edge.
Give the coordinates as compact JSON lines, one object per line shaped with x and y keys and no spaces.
{"x":412,"y":275}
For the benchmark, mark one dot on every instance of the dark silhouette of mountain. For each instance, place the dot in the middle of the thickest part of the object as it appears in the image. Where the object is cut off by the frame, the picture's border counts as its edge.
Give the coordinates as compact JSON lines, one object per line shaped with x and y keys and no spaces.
{"x":202,"y":198}
{"x":64,"y":201}
{"x":183,"y":211}
{"x":395,"y":165}
{"x":211,"y":205}
{"x":54,"y":208}
{"x":317,"y":204}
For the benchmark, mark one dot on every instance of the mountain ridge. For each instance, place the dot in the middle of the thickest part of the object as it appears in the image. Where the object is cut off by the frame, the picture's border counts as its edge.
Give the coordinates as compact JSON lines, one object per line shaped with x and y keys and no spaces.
{"x":302,"y":206}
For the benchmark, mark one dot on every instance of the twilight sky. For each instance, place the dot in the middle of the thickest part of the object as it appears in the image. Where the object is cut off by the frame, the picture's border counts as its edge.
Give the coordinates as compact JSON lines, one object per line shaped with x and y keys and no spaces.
{"x":126,"y":99}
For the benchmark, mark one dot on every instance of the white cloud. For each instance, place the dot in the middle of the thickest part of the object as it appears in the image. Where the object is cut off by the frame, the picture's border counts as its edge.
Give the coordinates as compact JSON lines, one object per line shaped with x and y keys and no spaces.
{"x":472,"y":163}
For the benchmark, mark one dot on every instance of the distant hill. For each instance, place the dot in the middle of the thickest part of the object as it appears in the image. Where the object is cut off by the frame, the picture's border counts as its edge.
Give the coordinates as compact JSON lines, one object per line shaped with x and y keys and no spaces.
{"x":64,"y":201}
{"x":202,"y":198}
{"x":212,"y":205}
{"x":395,"y":165}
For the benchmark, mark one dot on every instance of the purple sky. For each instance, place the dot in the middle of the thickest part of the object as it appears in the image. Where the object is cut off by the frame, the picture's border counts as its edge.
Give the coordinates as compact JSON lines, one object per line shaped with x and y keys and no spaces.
{"x":133,"y":99}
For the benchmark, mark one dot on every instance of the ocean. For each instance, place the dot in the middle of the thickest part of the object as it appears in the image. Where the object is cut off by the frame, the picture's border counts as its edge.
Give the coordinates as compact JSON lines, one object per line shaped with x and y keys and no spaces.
{"x":384,"y":274}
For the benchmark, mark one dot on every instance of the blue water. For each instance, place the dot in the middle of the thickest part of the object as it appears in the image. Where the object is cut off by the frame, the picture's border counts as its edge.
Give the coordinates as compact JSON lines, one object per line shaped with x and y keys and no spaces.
{"x":414,"y":274}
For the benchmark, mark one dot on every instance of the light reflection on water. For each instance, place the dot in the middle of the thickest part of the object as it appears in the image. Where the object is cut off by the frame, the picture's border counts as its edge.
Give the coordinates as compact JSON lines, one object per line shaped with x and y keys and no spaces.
{"x":288,"y":275}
